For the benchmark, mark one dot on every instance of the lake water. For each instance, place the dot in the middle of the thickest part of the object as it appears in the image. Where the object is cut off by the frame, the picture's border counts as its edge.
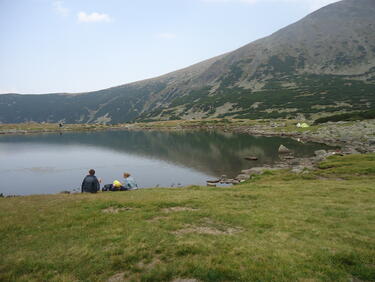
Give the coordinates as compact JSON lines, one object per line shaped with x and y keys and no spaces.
{"x":50,"y":163}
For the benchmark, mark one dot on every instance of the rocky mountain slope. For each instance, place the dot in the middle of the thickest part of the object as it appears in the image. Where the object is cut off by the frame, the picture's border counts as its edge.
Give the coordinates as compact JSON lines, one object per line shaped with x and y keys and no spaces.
{"x":321,"y":64}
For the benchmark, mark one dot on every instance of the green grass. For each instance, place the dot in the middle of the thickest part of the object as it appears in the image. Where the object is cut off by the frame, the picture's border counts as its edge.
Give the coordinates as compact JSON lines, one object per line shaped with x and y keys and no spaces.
{"x":317,"y":226}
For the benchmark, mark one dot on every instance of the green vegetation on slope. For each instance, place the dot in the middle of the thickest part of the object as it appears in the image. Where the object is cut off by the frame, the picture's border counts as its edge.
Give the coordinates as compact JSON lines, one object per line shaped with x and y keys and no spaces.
{"x":278,"y":227}
{"x":348,"y":117}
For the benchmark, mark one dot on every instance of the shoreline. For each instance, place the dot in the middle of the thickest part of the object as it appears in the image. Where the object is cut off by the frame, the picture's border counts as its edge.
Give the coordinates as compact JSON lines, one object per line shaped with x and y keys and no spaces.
{"x":339,"y":134}
{"x":350,"y":137}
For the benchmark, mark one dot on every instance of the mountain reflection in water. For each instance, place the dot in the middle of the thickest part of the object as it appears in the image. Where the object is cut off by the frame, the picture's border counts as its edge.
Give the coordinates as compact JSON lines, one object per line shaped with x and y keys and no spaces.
{"x":203,"y":154}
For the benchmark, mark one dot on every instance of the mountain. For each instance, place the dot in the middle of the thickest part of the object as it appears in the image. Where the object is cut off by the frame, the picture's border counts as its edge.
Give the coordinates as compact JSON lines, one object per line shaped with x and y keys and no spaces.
{"x":321,"y":64}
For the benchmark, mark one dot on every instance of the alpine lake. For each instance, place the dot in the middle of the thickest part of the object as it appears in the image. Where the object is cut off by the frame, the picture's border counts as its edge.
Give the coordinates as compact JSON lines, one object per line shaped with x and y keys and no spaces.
{"x":55,"y":162}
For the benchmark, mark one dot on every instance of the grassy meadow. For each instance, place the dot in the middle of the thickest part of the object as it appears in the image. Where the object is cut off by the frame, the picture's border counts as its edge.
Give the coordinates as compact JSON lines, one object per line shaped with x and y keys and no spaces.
{"x":317,"y":226}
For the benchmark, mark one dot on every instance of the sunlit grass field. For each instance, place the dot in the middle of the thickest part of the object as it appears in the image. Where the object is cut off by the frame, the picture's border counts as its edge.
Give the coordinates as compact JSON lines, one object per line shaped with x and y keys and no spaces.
{"x":317,"y":226}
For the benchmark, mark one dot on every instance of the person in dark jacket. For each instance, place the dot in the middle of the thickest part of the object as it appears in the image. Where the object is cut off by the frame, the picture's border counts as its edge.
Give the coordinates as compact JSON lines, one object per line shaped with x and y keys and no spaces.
{"x":90,"y":183}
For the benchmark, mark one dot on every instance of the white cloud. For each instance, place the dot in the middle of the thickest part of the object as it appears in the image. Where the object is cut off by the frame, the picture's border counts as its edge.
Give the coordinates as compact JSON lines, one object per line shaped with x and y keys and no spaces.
{"x":59,"y":8}
{"x":93,"y":17}
{"x":312,"y":4}
{"x":166,"y":35}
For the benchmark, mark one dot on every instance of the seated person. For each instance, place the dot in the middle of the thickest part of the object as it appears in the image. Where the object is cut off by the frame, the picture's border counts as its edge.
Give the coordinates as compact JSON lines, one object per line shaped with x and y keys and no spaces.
{"x":117,"y":186}
{"x":90,"y":183}
{"x":129,"y":182}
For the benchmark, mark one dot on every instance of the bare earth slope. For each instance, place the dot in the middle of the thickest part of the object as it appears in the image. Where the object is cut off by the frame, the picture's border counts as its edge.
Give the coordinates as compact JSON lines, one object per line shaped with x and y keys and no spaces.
{"x":322,"y":63}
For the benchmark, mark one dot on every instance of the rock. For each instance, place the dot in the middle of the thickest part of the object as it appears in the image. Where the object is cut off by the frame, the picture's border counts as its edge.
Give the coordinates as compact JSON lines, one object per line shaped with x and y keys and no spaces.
{"x":283,"y":150}
{"x":371,"y":142}
{"x":252,"y":171}
{"x":259,"y":170}
{"x":228,"y":181}
{"x":320,"y":153}
{"x":211,"y":184}
{"x":251,"y":158}
{"x":65,"y":192}
{"x":213,"y":181}
{"x":289,"y":157}
{"x":242,"y":177}
{"x":298,"y":169}
{"x":350,"y":151}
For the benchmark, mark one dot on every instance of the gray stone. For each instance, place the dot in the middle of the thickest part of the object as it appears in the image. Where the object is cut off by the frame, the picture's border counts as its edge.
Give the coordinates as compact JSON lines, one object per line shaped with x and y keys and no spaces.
{"x":350,"y":151}
{"x":260,"y":170}
{"x":242,"y":177}
{"x":320,"y":153}
{"x":283,"y":150}
{"x":298,"y":169}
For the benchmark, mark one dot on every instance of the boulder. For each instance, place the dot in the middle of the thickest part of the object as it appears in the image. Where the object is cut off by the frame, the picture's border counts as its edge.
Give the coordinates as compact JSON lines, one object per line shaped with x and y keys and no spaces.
{"x":284,"y":150}
{"x":242,"y":177}
{"x":320,"y":153}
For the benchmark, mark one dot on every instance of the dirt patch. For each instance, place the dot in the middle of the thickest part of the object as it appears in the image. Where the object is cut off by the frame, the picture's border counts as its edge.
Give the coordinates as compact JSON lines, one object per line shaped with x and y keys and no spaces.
{"x":177,"y":209}
{"x":148,"y":266}
{"x":184,"y":280}
{"x":207,"y":230}
{"x":119,"y":277}
{"x":157,"y":218}
{"x":115,"y":210}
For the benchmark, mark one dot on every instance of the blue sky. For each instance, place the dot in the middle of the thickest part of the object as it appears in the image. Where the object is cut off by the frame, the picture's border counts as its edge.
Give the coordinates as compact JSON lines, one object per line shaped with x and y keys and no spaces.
{"x":82,"y":45}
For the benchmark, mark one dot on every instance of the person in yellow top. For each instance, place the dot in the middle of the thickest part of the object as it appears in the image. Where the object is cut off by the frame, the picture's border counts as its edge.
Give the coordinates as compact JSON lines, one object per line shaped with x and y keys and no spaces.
{"x":117,"y":186}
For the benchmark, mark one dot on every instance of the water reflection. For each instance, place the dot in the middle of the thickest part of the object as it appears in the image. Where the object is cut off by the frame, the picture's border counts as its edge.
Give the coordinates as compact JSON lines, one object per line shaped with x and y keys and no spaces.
{"x":155,"y":157}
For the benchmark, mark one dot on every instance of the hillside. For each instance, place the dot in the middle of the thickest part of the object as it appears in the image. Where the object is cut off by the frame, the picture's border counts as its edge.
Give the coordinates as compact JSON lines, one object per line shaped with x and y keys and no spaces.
{"x":321,"y":64}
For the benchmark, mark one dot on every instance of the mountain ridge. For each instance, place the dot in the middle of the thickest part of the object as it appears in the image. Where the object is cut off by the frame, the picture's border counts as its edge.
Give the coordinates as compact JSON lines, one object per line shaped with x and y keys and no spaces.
{"x":323,"y":63}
